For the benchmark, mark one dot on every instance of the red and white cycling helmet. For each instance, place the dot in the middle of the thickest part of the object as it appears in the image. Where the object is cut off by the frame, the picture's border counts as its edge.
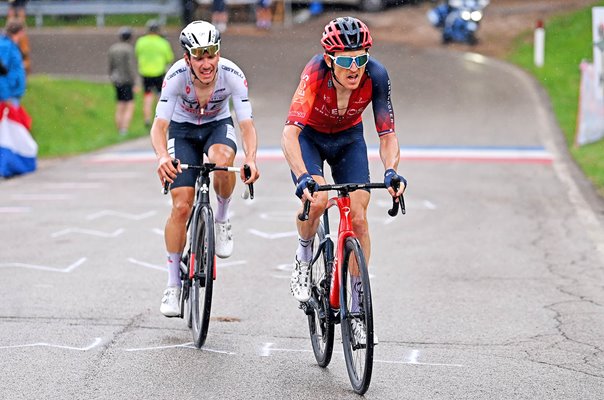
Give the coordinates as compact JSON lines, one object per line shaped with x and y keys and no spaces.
{"x":344,"y":34}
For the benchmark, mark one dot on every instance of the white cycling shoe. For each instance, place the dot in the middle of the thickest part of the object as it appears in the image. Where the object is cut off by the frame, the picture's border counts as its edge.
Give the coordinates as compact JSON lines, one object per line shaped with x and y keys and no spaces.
{"x":360,"y":332}
{"x":170,"y":303}
{"x":300,"y":281}
{"x":224,"y":239}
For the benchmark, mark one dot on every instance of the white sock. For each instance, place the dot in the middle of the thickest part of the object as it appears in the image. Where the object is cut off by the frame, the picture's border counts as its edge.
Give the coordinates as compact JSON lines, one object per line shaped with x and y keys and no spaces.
{"x":222,"y":210}
{"x":174,"y":269}
{"x":304,"y":251}
{"x":356,"y":288}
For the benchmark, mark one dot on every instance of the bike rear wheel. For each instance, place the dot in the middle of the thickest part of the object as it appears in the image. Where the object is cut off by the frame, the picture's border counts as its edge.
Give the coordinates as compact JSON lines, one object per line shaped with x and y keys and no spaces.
{"x":201,"y":288}
{"x":319,"y":322}
{"x":358,"y":355}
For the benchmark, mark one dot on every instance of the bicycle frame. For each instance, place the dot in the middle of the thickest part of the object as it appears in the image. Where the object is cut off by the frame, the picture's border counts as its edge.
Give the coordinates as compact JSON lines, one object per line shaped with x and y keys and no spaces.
{"x":202,"y":199}
{"x":344,"y":231}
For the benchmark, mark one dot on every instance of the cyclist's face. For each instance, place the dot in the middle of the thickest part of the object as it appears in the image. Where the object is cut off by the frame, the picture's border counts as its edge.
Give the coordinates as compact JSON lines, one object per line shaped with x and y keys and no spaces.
{"x":205,"y":67}
{"x":348,"y":78}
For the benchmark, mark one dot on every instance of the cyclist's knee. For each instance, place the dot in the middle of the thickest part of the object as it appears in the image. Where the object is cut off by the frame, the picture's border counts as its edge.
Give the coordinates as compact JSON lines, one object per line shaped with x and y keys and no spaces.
{"x":180,"y":211}
{"x":360,"y":225}
{"x":221,"y":154}
{"x":319,"y":206}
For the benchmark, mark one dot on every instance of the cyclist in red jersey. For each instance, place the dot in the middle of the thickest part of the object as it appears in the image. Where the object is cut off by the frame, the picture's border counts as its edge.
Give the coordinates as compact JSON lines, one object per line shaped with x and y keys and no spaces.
{"x":325,"y":124}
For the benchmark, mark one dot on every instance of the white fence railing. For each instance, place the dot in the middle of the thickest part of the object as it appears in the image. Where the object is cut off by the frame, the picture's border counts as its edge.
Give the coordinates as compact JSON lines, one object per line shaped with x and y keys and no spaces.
{"x":41,"y":8}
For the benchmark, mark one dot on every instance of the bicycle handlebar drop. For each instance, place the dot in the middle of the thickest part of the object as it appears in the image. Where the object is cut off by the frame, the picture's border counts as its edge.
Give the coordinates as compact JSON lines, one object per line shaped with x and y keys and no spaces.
{"x":345,"y":188}
{"x":209,"y":167}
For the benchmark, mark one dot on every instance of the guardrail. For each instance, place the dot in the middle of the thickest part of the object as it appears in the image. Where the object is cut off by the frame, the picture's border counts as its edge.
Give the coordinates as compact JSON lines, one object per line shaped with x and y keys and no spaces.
{"x":41,"y":8}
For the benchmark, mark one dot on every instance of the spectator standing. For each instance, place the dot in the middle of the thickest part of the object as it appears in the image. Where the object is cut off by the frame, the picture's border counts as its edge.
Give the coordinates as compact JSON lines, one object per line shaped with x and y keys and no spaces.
{"x":264,"y":14}
{"x":220,"y":16}
{"x":16,"y":9}
{"x":15,"y":30}
{"x":188,"y":11}
{"x":122,"y":73}
{"x":12,"y":72}
{"x":154,"y":55}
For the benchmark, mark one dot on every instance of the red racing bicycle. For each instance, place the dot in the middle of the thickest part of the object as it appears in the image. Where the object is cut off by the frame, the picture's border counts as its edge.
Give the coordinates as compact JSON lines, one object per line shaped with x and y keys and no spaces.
{"x":337,"y":275}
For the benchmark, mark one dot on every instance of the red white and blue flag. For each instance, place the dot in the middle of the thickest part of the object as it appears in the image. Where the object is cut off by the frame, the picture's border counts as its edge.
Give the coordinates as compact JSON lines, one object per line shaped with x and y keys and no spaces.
{"x":18,"y":150}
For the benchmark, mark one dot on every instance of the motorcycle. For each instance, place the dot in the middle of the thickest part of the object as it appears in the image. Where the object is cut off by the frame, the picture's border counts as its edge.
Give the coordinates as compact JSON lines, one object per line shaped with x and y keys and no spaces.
{"x":458,"y":19}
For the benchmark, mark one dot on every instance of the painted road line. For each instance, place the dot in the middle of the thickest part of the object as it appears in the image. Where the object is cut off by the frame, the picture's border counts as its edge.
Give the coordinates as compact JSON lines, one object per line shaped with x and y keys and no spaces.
{"x":14,"y":210}
{"x":91,"y":232}
{"x":509,"y":154}
{"x":44,"y":267}
{"x":184,"y":345}
{"x":94,"y":344}
{"x":267,"y":349}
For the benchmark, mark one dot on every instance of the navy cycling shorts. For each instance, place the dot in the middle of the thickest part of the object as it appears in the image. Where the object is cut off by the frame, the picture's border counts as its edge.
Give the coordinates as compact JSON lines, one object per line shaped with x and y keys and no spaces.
{"x":345,"y":152}
{"x":189,"y":142}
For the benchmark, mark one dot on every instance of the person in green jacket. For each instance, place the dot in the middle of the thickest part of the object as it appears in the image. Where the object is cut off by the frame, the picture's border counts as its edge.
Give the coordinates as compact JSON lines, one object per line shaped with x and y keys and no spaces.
{"x":154,"y":55}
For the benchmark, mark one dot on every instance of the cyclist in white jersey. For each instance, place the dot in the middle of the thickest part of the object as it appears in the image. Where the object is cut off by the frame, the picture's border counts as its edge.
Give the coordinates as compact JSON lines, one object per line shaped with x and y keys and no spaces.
{"x":192,"y":119}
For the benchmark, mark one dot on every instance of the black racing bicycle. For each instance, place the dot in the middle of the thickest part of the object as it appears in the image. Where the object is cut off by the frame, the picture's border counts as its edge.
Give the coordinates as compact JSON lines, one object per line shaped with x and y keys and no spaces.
{"x":340,"y":289}
{"x":198,"y":263}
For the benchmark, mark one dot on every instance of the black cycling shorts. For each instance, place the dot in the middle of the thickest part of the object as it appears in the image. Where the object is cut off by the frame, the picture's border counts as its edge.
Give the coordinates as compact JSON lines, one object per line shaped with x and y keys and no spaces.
{"x":153,"y":83}
{"x":345,"y":152}
{"x":124,"y":92}
{"x":189,"y":142}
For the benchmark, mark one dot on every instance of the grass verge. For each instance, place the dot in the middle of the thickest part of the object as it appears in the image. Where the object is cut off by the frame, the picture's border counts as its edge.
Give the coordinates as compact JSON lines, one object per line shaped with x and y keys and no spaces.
{"x":72,"y":117}
{"x":568,"y":40}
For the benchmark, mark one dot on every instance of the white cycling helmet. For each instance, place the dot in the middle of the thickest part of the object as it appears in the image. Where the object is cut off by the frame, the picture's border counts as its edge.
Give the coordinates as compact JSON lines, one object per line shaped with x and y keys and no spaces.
{"x":199,"y":37}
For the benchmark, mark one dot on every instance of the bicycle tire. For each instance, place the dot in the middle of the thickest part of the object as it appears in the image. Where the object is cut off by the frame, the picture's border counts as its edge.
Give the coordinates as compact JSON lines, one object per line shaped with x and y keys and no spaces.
{"x":320,"y":326}
{"x":201,"y":288}
{"x":359,"y":358}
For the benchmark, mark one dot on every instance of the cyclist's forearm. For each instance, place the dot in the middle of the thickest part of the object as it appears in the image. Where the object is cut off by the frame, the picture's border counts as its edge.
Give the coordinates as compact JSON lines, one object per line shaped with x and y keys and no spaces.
{"x":249,"y":139}
{"x":291,"y":149}
{"x":158,"y":137}
{"x":390,"y":151}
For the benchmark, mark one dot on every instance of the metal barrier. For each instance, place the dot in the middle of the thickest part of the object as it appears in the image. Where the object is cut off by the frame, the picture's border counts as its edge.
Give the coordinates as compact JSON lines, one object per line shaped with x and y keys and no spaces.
{"x":41,"y":8}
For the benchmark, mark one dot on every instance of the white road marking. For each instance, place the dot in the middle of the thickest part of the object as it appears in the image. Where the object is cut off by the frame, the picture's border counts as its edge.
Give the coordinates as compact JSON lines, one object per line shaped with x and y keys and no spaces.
{"x":113,"y":175}
{"x":43,"y":267}
{"x":134,"y":217}
{"x":147,"y":265}
{"x":91,"y":232}
{"x":73,"y":185}
{"x":184,"y":345}
{"x":272,"y":236}
{"x":15,"y":210}
{"x":42,"y":197}
{"x":96,"y":342}
{"x":219,"y":264}
{"x":267,"y":349}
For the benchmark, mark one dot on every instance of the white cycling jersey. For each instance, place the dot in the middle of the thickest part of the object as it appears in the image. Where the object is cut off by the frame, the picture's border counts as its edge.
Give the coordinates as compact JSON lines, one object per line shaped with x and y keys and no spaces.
{"x":178,"y":100}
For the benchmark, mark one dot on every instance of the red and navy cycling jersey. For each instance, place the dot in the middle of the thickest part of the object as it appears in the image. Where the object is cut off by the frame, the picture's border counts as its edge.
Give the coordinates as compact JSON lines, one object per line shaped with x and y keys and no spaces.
{"x":315,"y":102}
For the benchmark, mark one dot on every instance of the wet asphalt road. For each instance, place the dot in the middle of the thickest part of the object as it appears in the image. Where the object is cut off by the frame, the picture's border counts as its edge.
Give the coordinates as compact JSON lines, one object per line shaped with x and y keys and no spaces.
{"x":490,"y":286}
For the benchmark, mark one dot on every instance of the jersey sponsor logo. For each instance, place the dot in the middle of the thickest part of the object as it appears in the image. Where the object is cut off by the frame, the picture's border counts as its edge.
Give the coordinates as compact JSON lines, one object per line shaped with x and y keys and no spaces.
{"x":245,"y":82}
{"x":164,"y":83}
{"x":299,"y":114}
{"x":187,"y":89}
{"x":302,"y":86}
{"x":233,"y":71}
{"x":178,"y":71}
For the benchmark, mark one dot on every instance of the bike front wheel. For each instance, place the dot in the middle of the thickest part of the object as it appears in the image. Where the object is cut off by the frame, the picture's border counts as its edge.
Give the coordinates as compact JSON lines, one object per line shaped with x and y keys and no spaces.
{"x":201,"y":287}
{"x":319,"y":311}
{"x":356,"y":316}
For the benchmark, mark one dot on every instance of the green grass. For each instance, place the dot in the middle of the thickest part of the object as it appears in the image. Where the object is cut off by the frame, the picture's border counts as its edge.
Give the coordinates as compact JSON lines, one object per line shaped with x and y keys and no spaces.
{"x":568,"y":40}
{"x":72,"y":117}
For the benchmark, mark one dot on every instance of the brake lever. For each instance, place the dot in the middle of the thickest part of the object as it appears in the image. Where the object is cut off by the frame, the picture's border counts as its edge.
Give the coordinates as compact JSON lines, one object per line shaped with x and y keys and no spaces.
{"x":249,"y":192}
{"x":304,"y":215}
{"x":166,"y":183}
